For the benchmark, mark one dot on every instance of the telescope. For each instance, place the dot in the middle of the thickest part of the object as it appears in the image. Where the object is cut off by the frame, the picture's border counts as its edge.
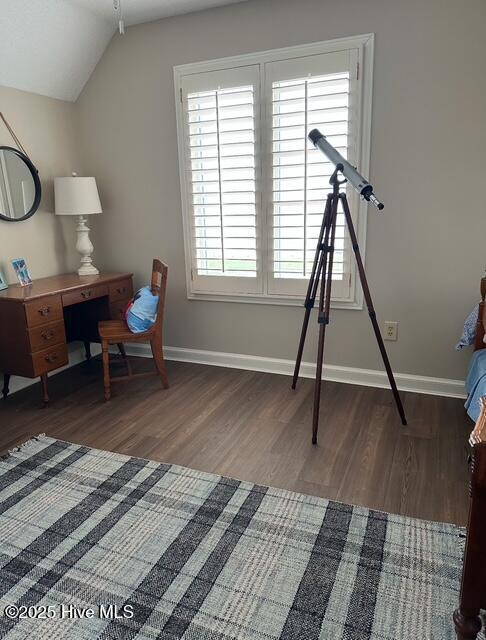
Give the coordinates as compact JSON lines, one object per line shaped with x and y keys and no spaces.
{"x":322,"y":271}
{"x":362,"y":186}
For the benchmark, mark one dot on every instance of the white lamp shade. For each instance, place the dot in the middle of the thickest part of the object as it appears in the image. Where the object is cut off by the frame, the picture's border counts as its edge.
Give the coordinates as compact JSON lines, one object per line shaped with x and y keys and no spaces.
{"x":76,"y":196}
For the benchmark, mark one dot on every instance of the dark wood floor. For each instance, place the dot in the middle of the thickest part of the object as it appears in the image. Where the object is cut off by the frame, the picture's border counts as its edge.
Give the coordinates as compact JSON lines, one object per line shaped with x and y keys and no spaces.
{"x":253,"y":427}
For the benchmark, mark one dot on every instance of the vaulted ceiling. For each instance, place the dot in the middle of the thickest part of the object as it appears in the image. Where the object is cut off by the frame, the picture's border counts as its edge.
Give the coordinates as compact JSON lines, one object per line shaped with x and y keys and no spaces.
{"x":51,"y":47}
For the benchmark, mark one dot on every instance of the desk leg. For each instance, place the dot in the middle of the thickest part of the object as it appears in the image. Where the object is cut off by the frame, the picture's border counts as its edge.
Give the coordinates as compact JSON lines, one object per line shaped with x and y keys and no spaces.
{"x":45,"y":395}
{"x":6,"y":380}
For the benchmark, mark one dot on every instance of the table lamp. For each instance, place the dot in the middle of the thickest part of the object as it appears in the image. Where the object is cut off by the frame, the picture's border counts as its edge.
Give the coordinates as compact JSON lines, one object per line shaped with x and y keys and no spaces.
{"x":76,"y":196}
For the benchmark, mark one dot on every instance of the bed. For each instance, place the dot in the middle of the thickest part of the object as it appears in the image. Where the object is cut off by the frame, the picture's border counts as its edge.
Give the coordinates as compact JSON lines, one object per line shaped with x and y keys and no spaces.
{"x":467,"y":618}
{"x":473,"y":591}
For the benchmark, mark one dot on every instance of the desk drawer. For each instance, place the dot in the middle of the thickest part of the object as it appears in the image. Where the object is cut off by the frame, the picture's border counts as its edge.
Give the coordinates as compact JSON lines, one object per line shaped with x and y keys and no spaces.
{"x":83,"y":295}
{"x":43,"y":311}
{"x":46,"y":336}
{"x":117,"y":309}
{"x":121,"y":290}
{"x":50,"y":359}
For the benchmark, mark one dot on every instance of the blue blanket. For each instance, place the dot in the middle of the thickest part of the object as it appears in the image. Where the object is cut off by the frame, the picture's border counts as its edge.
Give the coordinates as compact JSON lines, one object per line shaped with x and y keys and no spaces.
{"x":142,"y":311}
{"x":469,"y":332}
{"x":476,"y":383}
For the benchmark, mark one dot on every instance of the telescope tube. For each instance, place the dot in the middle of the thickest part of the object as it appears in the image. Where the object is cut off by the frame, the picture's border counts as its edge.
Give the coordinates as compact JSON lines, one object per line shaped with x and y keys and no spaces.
{"x":362,"y":186}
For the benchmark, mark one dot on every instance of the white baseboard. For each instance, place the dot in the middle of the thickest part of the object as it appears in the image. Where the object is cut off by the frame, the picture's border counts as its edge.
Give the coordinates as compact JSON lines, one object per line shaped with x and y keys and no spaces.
{"x":336,"y":373}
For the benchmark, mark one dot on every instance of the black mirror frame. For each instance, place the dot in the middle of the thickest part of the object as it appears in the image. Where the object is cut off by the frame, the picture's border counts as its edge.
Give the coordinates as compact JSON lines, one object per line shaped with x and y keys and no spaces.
{"x":37,"y":184}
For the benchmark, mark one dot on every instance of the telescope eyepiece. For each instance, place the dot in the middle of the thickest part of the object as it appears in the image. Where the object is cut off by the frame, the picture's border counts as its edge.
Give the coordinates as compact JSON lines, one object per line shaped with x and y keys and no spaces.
{"x":374,"y":200}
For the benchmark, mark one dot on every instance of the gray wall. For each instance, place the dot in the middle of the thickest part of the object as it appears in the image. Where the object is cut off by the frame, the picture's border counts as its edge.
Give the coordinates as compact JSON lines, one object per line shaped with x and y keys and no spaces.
{"x":47,"y":129}
{"x":425,"y":254}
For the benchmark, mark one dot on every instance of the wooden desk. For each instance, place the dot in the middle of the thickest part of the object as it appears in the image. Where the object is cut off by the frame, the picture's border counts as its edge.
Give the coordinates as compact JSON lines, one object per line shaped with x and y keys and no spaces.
{"x":37,"y":321}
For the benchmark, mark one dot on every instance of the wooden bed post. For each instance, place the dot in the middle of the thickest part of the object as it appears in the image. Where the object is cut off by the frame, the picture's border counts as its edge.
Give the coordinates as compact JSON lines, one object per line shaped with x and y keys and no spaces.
{"x":479,"y":344}
{"x":473,"y":588}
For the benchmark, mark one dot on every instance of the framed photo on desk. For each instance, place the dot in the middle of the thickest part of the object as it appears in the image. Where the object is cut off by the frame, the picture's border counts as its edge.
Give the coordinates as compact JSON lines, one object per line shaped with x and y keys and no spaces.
{"x":22,"y":271}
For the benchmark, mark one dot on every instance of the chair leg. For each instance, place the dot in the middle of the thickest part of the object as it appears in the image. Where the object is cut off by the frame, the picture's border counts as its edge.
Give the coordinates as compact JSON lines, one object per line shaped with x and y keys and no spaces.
{"x":123,"y":353}
{"x":156,"y":346}
{"x":87,"y":348}
{"x":106,"y":369}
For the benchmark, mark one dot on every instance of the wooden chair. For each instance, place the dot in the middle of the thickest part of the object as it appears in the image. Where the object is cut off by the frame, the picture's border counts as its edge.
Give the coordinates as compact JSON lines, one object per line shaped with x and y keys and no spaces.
{"x":117,"y":332}
{"x":473,"y":588}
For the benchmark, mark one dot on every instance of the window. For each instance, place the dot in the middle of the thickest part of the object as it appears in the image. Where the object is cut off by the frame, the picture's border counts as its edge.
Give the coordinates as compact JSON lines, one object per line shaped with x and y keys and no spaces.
{"x":253,"y":186}
{"x":221,"y":165}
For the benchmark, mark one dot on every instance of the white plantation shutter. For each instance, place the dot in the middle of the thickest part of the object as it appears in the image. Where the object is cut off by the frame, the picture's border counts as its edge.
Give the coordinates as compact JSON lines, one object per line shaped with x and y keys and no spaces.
{"x":221,"y":161}
{"x":253,"y":186}
{"x":307,"y":93}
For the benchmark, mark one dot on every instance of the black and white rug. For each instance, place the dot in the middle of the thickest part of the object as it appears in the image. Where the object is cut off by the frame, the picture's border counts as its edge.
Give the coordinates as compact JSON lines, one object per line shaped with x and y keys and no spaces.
{"x":99,"y":545}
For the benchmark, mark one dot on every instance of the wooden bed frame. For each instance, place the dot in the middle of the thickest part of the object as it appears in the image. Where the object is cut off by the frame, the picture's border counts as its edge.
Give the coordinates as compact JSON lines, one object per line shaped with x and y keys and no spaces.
{"x":481,"y":322}
{"x":473,"y":588}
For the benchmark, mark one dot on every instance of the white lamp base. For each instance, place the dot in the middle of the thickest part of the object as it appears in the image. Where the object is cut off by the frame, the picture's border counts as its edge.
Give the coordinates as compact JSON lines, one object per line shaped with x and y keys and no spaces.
{"x":85,"y":248}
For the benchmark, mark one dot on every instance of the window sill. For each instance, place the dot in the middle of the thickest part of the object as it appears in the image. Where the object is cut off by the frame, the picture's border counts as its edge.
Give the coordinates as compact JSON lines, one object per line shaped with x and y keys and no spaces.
{"x":356,"y":304}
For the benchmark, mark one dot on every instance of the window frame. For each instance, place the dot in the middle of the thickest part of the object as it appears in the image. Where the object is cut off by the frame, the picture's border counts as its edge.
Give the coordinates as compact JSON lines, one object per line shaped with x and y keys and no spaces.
{"x":364,"y":44}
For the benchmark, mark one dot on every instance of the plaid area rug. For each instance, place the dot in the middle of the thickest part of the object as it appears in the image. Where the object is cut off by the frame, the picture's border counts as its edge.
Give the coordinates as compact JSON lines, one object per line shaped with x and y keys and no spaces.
{"x":99,"y":545}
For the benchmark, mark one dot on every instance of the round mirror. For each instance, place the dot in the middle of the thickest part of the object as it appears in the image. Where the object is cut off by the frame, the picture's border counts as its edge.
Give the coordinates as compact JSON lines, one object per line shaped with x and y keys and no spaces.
{"x":20,"y":188}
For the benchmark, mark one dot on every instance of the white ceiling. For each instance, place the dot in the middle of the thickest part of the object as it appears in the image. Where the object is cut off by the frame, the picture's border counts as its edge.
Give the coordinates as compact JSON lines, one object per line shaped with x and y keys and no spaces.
{"x":137,"y":11}
{"x":51,"y":47}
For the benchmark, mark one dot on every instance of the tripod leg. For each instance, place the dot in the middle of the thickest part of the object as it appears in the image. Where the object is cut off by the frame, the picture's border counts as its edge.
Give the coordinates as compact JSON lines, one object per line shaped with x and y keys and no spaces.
{"x":312,"y":287}
{"x":323,"y":318}
{"x":371,"y":310}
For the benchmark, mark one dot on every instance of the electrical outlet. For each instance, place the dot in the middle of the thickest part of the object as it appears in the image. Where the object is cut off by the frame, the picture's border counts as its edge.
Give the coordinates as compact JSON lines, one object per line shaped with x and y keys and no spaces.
{"x":391,"y":330}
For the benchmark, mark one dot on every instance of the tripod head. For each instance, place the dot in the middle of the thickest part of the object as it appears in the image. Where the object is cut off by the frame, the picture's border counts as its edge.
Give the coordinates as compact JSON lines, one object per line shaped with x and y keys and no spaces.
{"x":362,"y":186}
{"x":334,"y":179}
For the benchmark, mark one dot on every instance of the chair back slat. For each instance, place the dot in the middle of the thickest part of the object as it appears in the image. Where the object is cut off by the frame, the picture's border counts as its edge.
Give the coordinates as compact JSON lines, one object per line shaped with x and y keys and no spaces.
{"x":158,"y":288}
{"x":158,"y":269}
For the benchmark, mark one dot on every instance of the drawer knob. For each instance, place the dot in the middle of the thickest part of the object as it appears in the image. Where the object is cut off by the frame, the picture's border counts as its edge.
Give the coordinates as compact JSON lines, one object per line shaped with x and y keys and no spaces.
{"x":48,"y":335}
{"x":52,"y":357}
{"x":86,"y":294}
{"x":121,"y":289}
{"x":44,"y":311}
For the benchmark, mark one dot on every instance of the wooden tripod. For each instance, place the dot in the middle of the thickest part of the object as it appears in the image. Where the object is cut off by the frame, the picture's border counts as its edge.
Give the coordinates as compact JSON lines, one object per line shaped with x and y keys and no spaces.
{"x":322,"y":272}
